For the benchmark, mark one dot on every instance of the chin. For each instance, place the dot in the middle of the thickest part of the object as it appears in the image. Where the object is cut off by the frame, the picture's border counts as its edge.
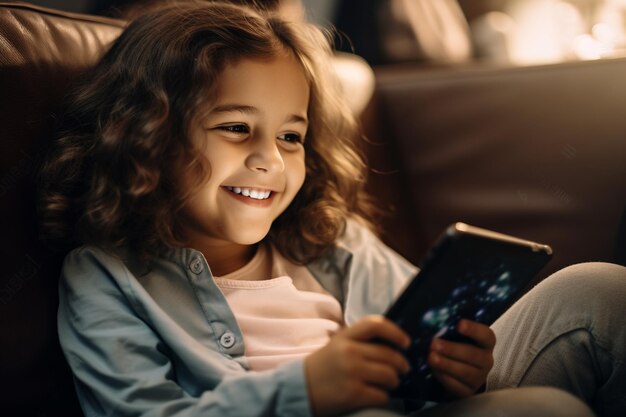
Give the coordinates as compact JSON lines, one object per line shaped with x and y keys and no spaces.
{"x":250,"y":237}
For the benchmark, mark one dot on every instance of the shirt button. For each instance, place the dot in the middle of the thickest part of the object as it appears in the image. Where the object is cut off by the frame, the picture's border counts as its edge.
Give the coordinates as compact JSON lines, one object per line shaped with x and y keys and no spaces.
{"x":227,"y":340}
{"x":196,"y":265}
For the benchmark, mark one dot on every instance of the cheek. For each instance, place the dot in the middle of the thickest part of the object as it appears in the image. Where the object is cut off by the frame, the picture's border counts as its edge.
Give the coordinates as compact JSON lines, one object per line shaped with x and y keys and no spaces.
{"x":218,"y":162}
{"x":298,"y":173}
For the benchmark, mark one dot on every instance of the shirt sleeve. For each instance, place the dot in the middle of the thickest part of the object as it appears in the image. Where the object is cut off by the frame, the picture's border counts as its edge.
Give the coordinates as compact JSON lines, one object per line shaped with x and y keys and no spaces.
{"x":123,"y":368}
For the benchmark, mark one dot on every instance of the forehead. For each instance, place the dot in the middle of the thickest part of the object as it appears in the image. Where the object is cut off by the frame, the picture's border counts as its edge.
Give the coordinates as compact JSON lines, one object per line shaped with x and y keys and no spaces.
{"x":274,"y":81}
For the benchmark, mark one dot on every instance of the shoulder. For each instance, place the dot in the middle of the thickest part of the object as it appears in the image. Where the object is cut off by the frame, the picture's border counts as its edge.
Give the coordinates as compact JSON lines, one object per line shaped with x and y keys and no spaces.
{"x":376,"y":273}
{"x":86,"y":259}
{"x":92,"y":267}
{"x":96,"y":285}
{"x":356,"y":236}
{"x":369,"y":254}
{"x":360,"y":241}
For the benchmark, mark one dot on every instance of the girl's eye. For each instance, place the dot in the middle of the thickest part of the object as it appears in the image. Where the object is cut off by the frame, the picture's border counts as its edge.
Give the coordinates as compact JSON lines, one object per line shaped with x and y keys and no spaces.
{"x":290,"y":137}
{"x":239,"y":129}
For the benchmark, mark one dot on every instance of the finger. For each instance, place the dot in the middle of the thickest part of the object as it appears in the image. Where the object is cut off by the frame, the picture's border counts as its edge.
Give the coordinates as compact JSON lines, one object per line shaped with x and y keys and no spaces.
{"x":372,"y":327}
{"x":467,"y":374}
{"x":371,"y":396}
{"x":379,"y":375}
{"x":480,"y":333}
{"x":386,"y":355}
{"x":453,"y":386}
{"x":477,"y":357}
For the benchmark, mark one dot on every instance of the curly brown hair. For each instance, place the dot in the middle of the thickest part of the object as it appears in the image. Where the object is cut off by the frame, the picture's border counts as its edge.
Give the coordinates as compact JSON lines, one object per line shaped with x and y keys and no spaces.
{"x":110,"y":179}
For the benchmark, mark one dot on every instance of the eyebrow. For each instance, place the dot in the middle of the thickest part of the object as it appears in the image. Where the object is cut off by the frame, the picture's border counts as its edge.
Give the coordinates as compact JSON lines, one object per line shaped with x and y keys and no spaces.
{"x":226,"y":108}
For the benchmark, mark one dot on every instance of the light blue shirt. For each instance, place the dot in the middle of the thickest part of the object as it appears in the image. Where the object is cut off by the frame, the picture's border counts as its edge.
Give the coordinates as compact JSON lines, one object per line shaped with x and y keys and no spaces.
{"x":164,"y":342}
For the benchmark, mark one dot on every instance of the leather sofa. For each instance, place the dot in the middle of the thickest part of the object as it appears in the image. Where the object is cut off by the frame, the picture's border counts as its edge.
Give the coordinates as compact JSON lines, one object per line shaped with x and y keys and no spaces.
{"x":537,"y":152}
{"x":41,"y":52}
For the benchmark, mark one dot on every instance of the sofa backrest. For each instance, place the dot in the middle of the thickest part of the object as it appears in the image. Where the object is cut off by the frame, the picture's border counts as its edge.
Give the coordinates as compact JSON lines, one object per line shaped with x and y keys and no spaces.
{"x":41,"y":52}
{"x":538,"y":152}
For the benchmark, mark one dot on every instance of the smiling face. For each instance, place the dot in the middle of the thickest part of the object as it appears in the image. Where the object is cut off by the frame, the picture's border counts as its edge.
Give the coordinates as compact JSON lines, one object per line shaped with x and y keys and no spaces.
{"x":252,"y":138}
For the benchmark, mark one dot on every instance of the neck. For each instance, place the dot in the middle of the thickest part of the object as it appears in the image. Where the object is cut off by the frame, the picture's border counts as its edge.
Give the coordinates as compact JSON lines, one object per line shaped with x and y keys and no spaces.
{"x":227,"y":258}
{"x":223,"y":257}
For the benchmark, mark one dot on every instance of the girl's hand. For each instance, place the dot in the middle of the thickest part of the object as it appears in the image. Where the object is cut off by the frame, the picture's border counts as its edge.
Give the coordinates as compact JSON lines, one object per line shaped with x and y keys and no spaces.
{"x":460,"y":367}
{"x":352,"y":372}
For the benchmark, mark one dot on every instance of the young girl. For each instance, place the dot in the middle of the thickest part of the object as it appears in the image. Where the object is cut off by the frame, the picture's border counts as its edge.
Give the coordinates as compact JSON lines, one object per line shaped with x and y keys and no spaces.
{"x":226,"y":267}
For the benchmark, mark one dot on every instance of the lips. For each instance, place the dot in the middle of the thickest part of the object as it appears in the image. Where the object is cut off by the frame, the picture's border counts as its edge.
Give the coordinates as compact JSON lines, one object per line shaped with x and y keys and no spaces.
{"x":250,"y":192}
{"x":256,"y":197}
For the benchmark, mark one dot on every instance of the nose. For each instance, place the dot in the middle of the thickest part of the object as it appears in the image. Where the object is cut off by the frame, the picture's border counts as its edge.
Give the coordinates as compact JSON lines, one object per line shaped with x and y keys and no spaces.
{"x":265,"y":156}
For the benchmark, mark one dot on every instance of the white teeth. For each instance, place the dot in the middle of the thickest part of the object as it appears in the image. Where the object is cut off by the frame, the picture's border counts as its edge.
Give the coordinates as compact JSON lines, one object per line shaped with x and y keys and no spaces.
{"x":247,"y":192}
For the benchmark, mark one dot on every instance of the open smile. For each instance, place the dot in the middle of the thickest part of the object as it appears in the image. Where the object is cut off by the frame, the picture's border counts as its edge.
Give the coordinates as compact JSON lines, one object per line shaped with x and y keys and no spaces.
{"x":250,"y":192}
{"x":251,"y":196}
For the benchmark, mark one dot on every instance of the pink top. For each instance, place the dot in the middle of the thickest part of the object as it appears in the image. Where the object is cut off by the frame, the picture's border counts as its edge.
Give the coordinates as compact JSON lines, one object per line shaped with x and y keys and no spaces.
{"x":283,"y":317}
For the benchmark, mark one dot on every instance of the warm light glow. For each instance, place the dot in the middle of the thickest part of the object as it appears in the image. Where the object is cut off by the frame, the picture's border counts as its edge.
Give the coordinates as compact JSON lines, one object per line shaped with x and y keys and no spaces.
{"x":603,"y":32}
{"x":555,"y":30}
{"x":544,"y":27}
{"x":587,"y":47}
{"x":355,"y":77}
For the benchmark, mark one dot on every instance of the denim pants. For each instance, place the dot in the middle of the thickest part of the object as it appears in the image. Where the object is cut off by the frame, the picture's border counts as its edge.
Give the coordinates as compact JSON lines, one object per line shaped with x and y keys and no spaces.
{"x":568,"y":332}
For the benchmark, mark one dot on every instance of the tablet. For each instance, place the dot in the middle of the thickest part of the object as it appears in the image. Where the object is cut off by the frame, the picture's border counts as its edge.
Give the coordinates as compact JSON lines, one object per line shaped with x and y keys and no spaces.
{"x":469,"y":273}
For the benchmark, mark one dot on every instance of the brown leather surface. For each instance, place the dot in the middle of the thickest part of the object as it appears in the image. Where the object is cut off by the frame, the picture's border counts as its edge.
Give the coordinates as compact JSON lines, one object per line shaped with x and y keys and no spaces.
{"x":41,"y":51}
{"x":538,"y":152}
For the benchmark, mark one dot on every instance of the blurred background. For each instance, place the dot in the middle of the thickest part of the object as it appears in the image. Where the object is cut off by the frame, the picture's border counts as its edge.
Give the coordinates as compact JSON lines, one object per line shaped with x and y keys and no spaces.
{"x":510,"y":32}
